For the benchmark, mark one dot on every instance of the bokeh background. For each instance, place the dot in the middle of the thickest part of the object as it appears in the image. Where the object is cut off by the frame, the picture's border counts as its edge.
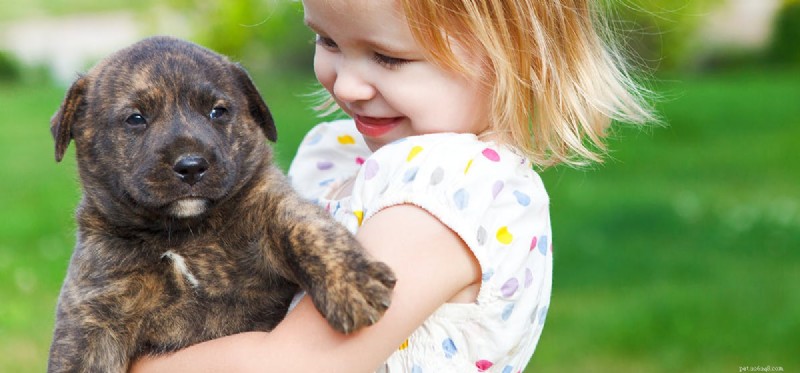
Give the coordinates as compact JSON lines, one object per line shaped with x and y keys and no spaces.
{"x":678,"y":254}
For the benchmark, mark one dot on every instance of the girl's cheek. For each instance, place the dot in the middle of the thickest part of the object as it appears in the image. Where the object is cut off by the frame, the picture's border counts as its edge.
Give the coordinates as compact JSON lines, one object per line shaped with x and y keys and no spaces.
{"x":323,"y":69}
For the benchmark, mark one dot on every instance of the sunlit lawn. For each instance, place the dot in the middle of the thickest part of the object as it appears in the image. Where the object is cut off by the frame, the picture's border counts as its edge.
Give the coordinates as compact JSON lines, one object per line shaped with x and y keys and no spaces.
{"x":677,"y":254}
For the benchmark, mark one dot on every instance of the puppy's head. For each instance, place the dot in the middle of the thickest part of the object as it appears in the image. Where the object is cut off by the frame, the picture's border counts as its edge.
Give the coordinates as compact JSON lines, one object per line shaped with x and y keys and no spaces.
{"x":164,"y":128}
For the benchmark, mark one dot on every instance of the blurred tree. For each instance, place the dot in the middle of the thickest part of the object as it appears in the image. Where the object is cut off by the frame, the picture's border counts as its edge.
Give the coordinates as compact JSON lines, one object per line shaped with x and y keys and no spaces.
{"x":264,"y":32}
{"x":9,"y":68}
{"x":784,"y":48}
{"x":661,"y":33}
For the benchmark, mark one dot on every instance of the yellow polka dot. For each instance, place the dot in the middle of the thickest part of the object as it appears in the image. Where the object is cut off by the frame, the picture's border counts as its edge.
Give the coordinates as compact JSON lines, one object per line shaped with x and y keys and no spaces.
{"x":504,"y":236}
{"x":359,"y":215}
{"x":346,"y":140}
{"x":413,"y":153}
{"x":469,"y":164}
{"x":403,"y":345}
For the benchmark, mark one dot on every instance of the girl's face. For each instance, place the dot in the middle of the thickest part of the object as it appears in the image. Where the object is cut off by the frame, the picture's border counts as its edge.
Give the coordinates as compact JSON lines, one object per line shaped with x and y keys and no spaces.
{"x":376,"y":72}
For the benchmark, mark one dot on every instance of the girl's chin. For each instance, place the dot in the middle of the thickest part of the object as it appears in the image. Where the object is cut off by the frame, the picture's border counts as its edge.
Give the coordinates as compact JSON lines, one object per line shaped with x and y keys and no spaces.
{"x":373,"y":145}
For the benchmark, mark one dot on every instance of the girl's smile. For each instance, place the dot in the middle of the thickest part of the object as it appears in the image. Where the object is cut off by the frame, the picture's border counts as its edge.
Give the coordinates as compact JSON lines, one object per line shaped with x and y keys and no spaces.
{"x":376,"y":72}
{"x":375,"y":127}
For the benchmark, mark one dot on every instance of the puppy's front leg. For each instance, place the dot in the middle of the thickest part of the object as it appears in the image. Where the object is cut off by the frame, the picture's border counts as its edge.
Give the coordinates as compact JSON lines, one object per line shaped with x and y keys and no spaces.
{"x":307,"y":246}
{"x":83,"y":342}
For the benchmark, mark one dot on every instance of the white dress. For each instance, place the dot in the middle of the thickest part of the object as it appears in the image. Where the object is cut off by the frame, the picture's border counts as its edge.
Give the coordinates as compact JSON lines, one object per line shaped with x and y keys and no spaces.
{"x":486,"y":193}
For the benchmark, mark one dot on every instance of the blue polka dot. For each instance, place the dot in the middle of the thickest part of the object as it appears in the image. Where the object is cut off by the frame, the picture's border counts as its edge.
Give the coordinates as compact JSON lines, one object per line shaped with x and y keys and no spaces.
{"x":542,"y":315}
{"x":410,"y":175}
{"x":508,"y":369}
{"x":522,"y":198}
{"x":461,"y":198}
{"x":487,"y":275}
{"x":507,"y":311}
{"x":449,"y":348}
{"x":542,"y":245}
{"x":416,"y":369}
{"x":314,"y":140}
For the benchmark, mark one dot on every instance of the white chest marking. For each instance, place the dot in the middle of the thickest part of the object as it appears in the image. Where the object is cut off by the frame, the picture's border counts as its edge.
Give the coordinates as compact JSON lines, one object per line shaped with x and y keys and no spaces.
{"x":180,"y":265}
{"x":188,"y":207}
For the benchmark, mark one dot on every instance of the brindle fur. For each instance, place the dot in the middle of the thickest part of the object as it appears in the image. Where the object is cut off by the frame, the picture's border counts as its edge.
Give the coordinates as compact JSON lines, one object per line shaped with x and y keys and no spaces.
{"x":142,"y":279}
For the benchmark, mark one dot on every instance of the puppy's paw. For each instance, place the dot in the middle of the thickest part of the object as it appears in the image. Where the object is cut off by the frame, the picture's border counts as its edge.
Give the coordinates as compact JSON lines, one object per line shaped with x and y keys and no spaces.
{"x":356,"y":293}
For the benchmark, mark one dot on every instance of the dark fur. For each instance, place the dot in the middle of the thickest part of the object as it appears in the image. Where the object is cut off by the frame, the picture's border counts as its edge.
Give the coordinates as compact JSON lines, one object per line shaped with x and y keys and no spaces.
{"x":248,"y":241}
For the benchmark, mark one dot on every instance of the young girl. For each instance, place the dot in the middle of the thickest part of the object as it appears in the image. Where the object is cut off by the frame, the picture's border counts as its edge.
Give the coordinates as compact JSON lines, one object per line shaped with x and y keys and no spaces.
{"x":453,"y":104}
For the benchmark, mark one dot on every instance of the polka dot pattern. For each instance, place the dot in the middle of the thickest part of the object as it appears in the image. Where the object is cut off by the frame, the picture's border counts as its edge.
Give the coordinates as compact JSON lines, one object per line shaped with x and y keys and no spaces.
{"x":324,"y":165}
{"x":370,"y":169}
{"x":483,"y":365}
{"x":491,"y":154}
{"x":504,"y":236}
{"x":413,"y":153}
{"x":449,"y":348}
{"x":346,"y":140}
{"x":485,"y":193}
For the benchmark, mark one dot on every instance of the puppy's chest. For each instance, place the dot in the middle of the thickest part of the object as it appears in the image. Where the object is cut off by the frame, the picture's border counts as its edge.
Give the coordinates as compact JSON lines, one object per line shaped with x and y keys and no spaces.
{"x":209,"y":291}
{"x":207,"y":269}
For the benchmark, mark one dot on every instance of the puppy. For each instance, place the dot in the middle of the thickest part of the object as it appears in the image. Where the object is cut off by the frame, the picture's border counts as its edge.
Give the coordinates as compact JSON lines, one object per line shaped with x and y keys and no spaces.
{"x":187,"y":231}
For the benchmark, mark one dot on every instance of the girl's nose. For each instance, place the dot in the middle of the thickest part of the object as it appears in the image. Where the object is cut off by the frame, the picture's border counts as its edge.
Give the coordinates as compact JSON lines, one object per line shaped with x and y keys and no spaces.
{"x":351,"y":85}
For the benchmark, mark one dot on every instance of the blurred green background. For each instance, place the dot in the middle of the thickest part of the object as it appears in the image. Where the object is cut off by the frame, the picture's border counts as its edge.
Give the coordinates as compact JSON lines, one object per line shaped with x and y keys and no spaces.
{"x":678,"y":254}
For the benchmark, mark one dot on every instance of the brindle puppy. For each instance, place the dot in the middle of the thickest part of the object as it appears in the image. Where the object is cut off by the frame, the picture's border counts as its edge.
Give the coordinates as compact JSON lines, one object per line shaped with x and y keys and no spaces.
{"x":187,"y":231}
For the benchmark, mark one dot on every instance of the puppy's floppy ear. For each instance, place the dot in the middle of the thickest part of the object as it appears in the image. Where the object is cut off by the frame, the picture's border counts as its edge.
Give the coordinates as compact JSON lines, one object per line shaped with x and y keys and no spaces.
{"x":255,"y":104}
{"x":71,"y":109}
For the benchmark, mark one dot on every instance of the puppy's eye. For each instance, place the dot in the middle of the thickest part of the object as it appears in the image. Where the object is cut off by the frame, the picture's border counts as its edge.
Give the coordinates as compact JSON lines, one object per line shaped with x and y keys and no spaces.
{"x":136,"y":120}
{"x":218,"y":112}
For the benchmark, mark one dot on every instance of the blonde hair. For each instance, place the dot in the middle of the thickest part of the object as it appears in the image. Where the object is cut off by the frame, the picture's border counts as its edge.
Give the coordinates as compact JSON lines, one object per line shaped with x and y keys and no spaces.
{"x":556,"y":78}
{"x":557,"y":81}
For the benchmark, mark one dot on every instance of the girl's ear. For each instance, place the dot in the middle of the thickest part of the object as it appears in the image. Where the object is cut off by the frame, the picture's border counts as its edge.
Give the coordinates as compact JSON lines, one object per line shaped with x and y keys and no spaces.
{"x":255,"y":104}
{"x":71,"y":110}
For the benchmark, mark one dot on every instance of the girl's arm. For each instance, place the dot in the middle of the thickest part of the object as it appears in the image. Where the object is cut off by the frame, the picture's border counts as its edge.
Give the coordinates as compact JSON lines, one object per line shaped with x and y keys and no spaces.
{"x":432,"y":264}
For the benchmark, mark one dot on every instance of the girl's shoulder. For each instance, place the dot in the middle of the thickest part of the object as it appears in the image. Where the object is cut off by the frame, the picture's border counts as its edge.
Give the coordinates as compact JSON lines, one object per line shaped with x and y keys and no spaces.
{"x":450,"y":160}
{"x":454,"y":176}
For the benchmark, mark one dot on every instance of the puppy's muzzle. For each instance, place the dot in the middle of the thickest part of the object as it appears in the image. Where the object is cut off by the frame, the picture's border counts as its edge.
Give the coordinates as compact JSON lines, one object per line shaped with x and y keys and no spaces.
{"x":190,"y":168}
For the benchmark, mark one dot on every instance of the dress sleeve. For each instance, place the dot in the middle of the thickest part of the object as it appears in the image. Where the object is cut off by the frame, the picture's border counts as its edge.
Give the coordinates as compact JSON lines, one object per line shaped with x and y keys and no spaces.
{"x":485,"y":193}
{"x":329,"y":153}
{"x":495,"y":202}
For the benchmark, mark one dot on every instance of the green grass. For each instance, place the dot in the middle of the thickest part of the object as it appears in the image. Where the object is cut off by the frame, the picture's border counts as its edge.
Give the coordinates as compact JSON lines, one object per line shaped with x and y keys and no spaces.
{"x":680,"y":253}
{"x":677,"y":254}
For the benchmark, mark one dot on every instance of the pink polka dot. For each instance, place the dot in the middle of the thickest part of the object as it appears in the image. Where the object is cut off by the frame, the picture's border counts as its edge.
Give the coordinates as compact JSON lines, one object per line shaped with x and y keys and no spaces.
{"x":359,"y":160}
{"x":534,"y":241}
{"x":483,"y":365}
{"x":491,"y":155}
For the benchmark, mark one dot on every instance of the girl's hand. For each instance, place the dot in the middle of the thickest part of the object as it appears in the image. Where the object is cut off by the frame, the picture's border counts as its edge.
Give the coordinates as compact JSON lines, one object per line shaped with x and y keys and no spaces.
{"x":433,"y":266}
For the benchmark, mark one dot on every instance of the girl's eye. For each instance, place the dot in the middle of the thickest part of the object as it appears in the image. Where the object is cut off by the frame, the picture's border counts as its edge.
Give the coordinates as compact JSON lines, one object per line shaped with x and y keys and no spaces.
{"x":218,"y":112}
{"x":389,"y":62}
{"x":136,"y":120}
{"x":326,"y":42}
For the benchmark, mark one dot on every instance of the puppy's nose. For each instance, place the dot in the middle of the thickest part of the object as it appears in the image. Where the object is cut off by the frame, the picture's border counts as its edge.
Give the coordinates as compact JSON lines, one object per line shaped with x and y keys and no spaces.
{"x":190,"y":168}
